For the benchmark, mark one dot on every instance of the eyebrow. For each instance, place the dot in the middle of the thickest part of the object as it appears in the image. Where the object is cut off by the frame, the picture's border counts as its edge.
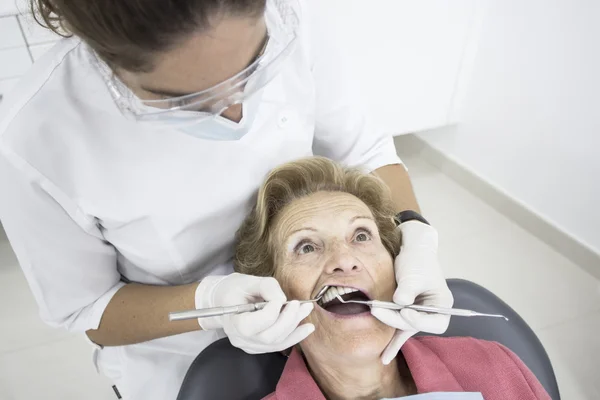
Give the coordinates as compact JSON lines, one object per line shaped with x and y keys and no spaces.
{"x":352,"y":220}
{"x":174,"y":93}
{"x":361,"y":217}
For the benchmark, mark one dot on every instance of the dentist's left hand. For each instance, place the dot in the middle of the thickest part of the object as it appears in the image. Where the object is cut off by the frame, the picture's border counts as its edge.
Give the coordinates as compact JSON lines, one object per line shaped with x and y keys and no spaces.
{"x":265,"y":331}
{"x":420,"y":281}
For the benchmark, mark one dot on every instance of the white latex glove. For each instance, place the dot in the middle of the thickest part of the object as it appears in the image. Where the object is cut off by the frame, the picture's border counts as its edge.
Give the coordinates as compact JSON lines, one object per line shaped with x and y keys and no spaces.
{"x":265,"y":331}
{"x":420,"y":281}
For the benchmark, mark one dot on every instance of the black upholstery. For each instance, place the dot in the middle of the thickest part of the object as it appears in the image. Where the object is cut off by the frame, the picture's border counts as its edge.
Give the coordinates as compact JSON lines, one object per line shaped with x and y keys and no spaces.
{"x":225,"y":372}
{"x":514,"y":334}
{"x":222,"y":371}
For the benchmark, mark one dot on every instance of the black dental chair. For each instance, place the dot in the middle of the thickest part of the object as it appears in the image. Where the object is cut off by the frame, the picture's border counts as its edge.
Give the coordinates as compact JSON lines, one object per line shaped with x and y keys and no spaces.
{"x":222,"y":371}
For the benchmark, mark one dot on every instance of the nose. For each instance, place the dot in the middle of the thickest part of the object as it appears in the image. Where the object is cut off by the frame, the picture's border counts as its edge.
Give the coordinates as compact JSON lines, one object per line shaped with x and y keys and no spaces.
{"x":343,"y":261}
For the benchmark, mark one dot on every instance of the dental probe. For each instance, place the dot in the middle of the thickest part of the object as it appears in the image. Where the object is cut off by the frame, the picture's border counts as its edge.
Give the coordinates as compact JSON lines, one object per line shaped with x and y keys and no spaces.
{"x":428,"y":309}
{"x":237,"y":309}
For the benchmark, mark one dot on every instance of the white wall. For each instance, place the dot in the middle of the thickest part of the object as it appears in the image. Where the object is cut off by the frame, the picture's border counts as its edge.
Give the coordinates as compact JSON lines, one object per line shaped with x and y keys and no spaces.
{"x":530,"y":118}
{"x":407,"y":55}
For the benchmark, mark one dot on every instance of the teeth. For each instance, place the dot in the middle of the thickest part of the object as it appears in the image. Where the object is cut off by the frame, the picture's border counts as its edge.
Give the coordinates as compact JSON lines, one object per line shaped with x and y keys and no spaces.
{"x":334,"y":291}
{"x":349,"y":290}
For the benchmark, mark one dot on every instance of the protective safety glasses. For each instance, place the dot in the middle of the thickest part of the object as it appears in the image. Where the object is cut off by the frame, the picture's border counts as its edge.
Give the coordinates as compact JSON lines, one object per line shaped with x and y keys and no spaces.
{"x":282,"y":23}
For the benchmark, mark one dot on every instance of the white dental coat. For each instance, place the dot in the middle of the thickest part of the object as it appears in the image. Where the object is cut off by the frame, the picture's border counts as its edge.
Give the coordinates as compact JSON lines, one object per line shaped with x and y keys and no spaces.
{"x":90,"y":199}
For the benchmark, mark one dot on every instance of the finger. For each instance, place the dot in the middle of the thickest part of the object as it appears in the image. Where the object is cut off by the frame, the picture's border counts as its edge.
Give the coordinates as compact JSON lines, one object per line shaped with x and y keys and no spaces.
{"x":444,"y":298}
{"x":436,"y":298}
{"x":288,"y":321}
{"x":283,"y":326}
{"x":298,"y":335}
{"x":425,"y":322}
{"x":392,"y":349}
{"x":266,"y":288}
{"x":391,"y":318}
{"x":240,"y":343}
{"x":305,"y":310}
{"x":406,"y":293}
{"x":252,"y":323}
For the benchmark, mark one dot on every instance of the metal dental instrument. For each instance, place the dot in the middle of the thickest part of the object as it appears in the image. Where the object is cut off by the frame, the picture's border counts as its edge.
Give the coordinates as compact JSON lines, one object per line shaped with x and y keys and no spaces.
{"x":428,"y":309}
{"x":237,"y":309}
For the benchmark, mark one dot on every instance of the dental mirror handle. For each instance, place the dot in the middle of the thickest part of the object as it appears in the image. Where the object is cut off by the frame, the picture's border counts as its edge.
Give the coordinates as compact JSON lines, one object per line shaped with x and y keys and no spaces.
{"x":215,"y":311}
{"x":218,"y":311}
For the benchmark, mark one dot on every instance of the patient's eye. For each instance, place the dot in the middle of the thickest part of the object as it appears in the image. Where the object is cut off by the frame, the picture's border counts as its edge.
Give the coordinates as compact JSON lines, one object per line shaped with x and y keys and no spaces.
{"x":304,"y":247}
{"x":307,"y":248}
{"x":362,"y":235}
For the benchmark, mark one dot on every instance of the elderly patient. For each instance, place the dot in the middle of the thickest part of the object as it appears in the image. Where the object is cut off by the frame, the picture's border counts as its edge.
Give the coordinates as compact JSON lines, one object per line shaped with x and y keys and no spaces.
{"x":316,"y":223}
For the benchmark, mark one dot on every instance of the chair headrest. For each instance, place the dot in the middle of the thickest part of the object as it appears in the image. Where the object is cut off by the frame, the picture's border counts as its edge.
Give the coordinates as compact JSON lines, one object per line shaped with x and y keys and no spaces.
{"x":222,"y":371}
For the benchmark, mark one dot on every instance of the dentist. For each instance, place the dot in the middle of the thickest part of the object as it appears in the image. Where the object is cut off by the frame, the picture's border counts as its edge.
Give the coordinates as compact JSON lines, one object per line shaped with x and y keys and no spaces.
{"x":131,"y":152}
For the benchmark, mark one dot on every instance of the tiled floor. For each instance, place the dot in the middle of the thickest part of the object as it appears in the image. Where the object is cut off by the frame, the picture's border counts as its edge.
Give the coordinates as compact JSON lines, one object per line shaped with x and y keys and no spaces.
{"x":558,"y":299}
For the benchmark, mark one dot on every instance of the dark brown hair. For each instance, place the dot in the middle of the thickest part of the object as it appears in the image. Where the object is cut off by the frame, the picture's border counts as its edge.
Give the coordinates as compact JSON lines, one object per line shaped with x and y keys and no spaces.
{"x":128,"y":33}
{"x":255,"y":253}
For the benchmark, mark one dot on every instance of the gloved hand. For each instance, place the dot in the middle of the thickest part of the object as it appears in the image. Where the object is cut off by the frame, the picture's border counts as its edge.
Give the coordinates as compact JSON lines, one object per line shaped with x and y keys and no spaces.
{"x":420,"y":281}
{"x":265,"y":331}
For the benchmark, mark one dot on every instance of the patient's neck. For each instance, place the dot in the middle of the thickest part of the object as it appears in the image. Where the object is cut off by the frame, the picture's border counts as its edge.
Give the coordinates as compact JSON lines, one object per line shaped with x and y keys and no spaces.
{"x":343,"y":378}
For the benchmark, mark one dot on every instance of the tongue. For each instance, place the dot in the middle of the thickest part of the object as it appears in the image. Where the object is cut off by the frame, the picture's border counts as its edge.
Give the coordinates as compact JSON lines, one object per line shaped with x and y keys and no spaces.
{"x":348,"y":309}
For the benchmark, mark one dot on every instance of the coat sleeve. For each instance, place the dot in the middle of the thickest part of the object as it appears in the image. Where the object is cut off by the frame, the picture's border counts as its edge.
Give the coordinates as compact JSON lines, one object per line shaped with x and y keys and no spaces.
{"x":70,"y":269}
{"x":344,"y":130}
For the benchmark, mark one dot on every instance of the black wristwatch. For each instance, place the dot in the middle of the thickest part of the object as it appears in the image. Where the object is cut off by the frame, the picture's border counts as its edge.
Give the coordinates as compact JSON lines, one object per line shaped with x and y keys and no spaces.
{"x":409,"y":215}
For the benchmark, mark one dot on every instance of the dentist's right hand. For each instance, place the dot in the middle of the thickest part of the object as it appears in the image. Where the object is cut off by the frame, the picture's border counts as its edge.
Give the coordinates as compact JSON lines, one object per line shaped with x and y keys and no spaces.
{"x":265,"y":331}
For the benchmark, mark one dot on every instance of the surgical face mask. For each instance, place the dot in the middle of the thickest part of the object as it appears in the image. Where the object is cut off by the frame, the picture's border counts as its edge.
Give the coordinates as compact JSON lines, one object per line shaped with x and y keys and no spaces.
{"x":282,"y":26}
{"x":221,"y":129}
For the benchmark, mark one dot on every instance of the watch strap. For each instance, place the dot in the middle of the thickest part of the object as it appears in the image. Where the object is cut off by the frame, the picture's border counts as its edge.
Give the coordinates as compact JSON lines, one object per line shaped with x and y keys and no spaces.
{"x":409,"y":215}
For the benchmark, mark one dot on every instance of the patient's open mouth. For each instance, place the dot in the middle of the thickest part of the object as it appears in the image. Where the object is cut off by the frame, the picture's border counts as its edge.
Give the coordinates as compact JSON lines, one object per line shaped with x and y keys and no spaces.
{"x":330,"y":302}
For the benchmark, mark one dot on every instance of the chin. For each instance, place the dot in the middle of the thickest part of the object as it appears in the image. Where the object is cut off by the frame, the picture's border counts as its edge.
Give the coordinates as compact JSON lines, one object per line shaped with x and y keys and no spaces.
{"x":364,"y":351}
{"x":358,"y":343}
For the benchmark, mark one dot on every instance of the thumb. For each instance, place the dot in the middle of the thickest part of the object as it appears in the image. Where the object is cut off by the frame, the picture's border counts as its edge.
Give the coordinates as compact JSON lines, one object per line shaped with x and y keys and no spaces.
{"x":251,"y":323}
{"x":392,"y":349}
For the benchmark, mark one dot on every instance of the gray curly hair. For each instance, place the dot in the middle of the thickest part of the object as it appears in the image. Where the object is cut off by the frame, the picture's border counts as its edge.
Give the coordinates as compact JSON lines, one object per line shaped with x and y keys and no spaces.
{"x":255,"y":253}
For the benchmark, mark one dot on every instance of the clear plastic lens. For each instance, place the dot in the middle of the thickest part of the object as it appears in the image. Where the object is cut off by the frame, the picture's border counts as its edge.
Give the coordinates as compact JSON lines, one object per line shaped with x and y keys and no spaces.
{"x":282,"y":26}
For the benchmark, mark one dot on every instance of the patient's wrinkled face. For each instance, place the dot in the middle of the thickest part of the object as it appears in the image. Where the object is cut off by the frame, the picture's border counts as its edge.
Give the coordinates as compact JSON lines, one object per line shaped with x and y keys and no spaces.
{"x":331,"y":238}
